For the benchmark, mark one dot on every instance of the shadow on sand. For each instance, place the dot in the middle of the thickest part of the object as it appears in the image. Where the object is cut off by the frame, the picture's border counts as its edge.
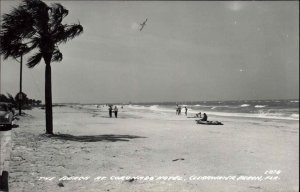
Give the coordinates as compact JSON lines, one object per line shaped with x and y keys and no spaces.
{"x":94,"y":138}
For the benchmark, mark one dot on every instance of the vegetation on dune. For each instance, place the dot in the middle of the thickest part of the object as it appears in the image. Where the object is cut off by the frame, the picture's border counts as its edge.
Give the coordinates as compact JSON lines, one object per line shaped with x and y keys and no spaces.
{"x":27,"y":103}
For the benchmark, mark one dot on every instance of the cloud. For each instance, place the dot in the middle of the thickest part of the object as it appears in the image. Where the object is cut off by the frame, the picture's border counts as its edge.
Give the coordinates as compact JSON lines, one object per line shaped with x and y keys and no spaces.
{"x":235,"y":5}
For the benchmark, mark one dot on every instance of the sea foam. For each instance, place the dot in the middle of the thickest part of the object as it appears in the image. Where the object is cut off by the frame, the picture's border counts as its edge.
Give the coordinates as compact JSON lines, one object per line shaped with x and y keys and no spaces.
{"x":245,"y":105}
{"x":260,"y":106}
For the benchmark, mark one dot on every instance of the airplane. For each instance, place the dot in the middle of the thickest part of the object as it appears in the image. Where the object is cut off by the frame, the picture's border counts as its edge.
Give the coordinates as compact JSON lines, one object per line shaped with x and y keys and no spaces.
{"x":143,"y":24}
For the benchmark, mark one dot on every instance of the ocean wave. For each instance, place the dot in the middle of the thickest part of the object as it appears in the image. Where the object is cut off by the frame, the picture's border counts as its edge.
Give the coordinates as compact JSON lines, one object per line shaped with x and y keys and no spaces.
{"x":223,"y":107}
{"x":296,"y":101}
{"x":245,"y":105}
{"x":137,"y":107}
{"x":278,"y":116}
{"x":197,"y":105}
{"x":154,"y":107}
{"x":261,"y":113}
{"x":260,"y":106}
{"x":157,"y":108}
{"x":294,"y":115}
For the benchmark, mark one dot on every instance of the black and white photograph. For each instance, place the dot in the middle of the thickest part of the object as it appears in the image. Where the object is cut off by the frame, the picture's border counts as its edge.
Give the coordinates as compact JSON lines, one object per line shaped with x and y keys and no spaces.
{"x":149,"y":96}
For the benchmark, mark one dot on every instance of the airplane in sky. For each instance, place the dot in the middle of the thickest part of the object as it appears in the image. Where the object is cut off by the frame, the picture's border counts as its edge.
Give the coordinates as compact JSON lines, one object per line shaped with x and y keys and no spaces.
{"x":143,"y":24}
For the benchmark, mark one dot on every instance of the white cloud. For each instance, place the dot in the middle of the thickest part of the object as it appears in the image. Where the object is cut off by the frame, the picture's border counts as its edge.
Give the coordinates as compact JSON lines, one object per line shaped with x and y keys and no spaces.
{"x":235,"y":5}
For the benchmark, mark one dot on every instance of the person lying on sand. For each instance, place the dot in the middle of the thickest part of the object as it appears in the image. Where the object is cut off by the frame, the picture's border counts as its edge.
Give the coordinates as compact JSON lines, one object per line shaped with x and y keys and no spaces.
{"x":204,"y":121}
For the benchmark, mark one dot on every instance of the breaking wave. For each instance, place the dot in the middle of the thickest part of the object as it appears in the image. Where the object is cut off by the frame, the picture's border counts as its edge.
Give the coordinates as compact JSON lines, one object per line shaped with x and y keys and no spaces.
{"x":245,"y":105}
{"x":260,"y":106}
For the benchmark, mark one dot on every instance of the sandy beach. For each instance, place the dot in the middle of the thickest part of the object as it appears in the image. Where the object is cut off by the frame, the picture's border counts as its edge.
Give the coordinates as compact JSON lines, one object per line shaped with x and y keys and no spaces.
{"x":174,"y":151}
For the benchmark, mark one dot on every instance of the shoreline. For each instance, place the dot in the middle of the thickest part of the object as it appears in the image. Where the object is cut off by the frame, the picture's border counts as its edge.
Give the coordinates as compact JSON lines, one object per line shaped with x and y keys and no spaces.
{"x":227,"y":117}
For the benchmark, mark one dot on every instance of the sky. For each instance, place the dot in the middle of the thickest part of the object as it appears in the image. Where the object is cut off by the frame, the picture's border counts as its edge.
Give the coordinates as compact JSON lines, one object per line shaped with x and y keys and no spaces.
{"x":188,"y":51}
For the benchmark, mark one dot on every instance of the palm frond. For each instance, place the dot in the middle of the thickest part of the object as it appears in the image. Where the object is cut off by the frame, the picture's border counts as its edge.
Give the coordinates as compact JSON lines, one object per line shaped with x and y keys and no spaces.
{"x":34,"y":42}
{"x":68,"y":32}
{"x":18,"y":23}
{"x":35,"y":25}
{"x":58,"y":12}
{"x":57,"y":56}
{"x":10,"y":48}
{"x":16,"y":26}
{"x":18,"y":50}
{"x":39,"y":12}
{"x":34,"y":60}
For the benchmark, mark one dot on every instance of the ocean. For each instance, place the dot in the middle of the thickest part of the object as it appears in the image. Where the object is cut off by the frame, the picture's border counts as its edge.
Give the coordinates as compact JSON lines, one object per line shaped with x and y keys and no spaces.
{"x":271,"y":109}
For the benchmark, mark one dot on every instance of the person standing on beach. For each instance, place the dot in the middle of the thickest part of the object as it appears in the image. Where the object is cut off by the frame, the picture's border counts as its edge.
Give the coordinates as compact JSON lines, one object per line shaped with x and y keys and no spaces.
{"x":110,"y":111}
{"x":116,"y":111}
{"x":177,"y":110}
{"x":186,"y":109}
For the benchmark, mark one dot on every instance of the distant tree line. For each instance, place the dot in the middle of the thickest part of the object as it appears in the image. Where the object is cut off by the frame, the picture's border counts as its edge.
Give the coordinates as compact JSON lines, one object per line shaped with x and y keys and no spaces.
{"x":26,"y":102}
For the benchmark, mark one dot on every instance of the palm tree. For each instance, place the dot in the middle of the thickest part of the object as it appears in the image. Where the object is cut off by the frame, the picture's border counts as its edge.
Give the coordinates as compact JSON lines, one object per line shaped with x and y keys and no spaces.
{"x":39,"y":28}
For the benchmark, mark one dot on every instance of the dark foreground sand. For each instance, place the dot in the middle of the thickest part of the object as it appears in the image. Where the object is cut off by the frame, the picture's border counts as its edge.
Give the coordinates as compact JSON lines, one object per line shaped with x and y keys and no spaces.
{"x":141,"y":143}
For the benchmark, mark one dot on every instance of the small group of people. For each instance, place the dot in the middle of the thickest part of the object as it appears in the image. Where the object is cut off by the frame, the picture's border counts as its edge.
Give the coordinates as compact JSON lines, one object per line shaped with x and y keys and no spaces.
{"x":178,"y":110}
{"x":111,"y":110}
{"x":198,"y":115}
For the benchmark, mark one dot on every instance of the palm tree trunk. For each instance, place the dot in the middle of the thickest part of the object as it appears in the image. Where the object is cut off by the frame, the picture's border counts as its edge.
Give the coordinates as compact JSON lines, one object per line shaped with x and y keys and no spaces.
{"x":20,"y":100}
{"x":48,"y":98}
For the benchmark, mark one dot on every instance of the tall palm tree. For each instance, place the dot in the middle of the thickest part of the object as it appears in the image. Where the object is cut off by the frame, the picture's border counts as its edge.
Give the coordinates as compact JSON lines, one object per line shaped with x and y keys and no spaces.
{"x":39,"y":27}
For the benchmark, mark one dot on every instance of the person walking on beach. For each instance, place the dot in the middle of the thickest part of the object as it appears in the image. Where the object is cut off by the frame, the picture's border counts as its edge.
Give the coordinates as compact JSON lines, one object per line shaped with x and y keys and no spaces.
{"x":116,"y":111}
{"x":186,"y":109}
{"x":110,"y":111}
{"x":179,"y":110}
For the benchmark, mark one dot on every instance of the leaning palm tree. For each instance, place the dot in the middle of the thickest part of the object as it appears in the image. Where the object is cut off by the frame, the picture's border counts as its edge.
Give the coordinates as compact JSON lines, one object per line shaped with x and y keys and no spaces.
{"x":37,"y":27}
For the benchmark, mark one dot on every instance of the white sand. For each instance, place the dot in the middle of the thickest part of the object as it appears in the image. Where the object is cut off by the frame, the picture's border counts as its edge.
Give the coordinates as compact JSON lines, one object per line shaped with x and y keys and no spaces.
{"x":141,"y":143}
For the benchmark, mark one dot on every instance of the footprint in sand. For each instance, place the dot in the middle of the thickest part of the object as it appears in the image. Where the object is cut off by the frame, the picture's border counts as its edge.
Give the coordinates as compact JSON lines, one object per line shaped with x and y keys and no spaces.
{"x":130,"y":180}
{"x":178,"y":159}
{"x":18,"y":158}
{"x":60,"y":184}
{"x":253,"y":187}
